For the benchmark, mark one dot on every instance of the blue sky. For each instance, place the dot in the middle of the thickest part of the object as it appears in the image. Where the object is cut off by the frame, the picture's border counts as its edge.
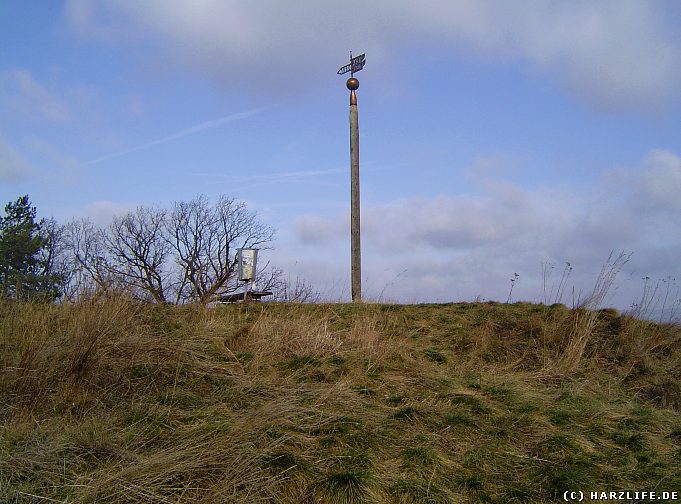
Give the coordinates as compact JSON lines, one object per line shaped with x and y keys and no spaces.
{"x":494,"y":138}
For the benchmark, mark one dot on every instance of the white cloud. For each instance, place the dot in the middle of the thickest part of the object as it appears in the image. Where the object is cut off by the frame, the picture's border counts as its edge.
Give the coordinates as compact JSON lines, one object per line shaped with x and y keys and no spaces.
{"x":461,"y":246}
{"x":501,"y":214}
{"x":103,"y":211}
{"x":26,"y":98}
{"x":657,"y":184}
{"x":317,"y":230}
{"x":12,"y":167}
{"x":460,"y":222}
{"x":92,"y":19}
{"x":613,"y":53}
{"x":136,"y":106}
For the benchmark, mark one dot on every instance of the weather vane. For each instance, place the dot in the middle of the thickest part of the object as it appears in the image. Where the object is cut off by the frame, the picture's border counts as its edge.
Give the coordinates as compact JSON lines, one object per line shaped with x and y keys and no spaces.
{"x":355,"y":65}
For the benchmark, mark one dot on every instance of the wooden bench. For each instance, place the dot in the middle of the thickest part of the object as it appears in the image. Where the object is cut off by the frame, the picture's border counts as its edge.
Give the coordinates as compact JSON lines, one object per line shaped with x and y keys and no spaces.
{"x":243,"y":296}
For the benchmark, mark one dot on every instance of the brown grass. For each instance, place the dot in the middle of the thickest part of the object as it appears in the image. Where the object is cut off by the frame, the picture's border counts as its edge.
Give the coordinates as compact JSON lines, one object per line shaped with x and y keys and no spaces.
{"x":114,"y":400}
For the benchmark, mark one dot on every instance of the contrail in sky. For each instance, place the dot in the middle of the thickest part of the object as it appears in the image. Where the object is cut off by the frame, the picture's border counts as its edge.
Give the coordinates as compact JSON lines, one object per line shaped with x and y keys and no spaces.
{"x":189,"y":131}
{"x":276,"y":176}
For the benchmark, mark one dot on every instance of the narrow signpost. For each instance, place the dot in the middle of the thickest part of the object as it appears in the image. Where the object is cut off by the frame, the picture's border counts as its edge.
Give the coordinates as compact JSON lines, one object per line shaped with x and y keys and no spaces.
{"x":355,"y":65}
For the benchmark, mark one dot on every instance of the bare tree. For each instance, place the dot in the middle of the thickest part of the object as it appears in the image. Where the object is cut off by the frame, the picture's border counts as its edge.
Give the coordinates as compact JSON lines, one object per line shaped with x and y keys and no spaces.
{"x":91,"y":263}
{"x":284,"y":288}
{"x":185,"y":255}
{"x":204,"y":239}
{"x":55,"y":257}
{"x":139,"y":250}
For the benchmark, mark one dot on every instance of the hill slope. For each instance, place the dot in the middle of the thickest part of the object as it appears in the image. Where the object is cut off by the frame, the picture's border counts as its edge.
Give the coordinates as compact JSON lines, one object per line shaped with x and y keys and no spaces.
{"x":127,"y":402}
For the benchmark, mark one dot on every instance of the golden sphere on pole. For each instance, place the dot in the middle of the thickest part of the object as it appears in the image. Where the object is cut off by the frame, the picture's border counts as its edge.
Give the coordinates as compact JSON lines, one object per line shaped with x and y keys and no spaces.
{"x":352,"y":84}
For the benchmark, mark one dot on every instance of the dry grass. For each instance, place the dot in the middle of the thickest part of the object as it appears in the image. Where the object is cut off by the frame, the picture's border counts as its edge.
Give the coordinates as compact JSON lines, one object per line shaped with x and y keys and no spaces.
{"x":119,"y":401}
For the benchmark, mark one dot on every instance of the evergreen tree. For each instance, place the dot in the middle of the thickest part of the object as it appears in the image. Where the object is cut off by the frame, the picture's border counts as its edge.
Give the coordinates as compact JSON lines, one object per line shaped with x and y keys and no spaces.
{"x":25,"y":255}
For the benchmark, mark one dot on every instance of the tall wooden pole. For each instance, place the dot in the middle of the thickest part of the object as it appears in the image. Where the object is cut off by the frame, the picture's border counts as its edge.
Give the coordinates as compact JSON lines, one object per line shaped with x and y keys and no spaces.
{"x":355,"y":248}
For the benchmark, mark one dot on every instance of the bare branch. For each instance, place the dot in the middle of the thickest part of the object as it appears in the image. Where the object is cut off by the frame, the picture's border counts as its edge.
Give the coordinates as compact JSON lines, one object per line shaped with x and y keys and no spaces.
{"x":91,"y":265}
{"x":139,"y":250}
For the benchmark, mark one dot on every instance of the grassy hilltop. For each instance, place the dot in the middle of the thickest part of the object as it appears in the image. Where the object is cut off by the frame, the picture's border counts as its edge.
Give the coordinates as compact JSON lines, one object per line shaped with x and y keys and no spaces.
{"x":122,"y":401}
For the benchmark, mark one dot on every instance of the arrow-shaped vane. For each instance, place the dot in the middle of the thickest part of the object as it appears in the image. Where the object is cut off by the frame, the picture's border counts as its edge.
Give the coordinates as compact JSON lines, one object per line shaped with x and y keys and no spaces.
{"x":356,"y":64}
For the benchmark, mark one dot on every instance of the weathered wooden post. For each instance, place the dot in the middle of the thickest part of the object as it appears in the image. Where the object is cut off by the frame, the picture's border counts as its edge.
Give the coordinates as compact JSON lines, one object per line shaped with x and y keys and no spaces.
{"x":356,"y":64}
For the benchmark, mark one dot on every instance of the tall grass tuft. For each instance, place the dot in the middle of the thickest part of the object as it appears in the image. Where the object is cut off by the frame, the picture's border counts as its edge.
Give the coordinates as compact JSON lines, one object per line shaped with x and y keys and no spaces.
{"x":585,"y":316}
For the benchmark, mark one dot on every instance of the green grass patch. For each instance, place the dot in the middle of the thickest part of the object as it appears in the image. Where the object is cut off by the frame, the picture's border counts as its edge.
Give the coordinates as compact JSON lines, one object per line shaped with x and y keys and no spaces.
{"x":298,"y":362}
{"x":415,"y":491}
{"x":435,"y":355}
{"x":280,"y":461}
{"x":342,"y":486}
{"x":363,"y":390}
{"x":408,"y":413}
{"x":628,"y":439}
{"x":458,"y":418}
{"x":473,"y":403}
{"x":419,"y":458}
